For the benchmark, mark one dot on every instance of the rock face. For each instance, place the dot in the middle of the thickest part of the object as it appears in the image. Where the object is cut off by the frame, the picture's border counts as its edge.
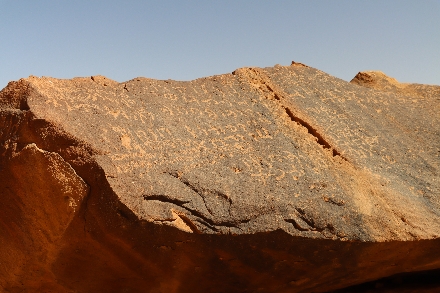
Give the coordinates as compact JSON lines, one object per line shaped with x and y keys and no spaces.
{"x":281,"y":179}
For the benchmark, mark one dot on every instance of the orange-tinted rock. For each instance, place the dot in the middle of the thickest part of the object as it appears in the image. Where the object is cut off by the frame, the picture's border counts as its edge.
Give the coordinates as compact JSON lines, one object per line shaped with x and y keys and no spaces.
{"x":280,"y":179}
{"x":380,"y":81}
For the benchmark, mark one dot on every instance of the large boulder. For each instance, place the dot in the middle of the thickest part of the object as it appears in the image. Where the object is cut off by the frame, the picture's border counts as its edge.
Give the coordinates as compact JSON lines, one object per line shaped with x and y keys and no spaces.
{"x":281,"y":179}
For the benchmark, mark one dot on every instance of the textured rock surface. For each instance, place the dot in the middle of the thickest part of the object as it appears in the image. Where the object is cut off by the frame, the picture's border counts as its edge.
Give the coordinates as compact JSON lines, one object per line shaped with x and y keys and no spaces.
{"x":281,"y":179}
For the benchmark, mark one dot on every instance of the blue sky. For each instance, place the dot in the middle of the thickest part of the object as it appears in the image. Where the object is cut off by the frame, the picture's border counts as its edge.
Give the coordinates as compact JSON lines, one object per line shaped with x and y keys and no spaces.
{"x":184,"y":40}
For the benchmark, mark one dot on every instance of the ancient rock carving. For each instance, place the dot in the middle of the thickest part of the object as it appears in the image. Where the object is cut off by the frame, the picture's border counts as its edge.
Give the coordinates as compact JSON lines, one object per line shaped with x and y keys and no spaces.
{"x":281,"y":179}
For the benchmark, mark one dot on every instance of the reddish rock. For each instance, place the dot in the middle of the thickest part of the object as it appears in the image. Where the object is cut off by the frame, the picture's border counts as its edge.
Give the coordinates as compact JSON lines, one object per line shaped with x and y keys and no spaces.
{"x":280,"y":179}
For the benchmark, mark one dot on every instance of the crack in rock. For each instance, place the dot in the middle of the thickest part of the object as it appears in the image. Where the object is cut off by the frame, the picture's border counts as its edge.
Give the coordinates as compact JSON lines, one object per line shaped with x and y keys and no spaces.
{"x":209,"y":222}
{"x":272,"y":92}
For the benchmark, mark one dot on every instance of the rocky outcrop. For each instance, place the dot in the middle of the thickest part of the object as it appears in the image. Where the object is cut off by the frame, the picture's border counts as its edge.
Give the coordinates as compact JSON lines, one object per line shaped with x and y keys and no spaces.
{"x":380,"y":81}
{"x":280,"y":179}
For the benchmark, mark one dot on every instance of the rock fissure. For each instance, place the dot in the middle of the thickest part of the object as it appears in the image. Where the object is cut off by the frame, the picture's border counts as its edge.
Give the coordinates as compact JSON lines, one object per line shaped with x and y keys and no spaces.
{"x":193,"y":188}
{"x":189,"y":223}
{"x":270,"y":91}
{"x":314,"y":132}
{"x":164,"y":198}
{"x":210,"y":223}
{"x":203,"y":192}
{"x":296,"y":225}
{"x":309,"y":221}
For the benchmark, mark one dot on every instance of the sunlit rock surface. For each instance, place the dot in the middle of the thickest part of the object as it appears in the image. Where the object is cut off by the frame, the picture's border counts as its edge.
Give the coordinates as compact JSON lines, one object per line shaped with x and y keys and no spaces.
{"x":281,"y":179}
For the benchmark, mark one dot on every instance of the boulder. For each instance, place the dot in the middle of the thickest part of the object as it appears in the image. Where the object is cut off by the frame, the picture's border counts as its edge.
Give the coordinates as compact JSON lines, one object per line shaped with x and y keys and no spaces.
{"x":281,"y":179}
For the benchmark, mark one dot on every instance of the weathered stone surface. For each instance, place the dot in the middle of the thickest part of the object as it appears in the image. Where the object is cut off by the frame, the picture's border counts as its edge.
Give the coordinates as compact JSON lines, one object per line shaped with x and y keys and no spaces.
{"x":379,"y":81}
{"x":280,"y":179}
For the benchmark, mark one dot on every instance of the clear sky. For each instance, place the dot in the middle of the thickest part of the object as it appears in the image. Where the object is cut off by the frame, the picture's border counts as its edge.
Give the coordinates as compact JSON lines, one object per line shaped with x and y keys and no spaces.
{"x":184,"y":40}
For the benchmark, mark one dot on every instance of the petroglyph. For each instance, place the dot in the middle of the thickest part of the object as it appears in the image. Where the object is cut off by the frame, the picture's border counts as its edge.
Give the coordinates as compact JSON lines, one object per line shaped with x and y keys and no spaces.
{"x":270,"y":133}
{"x":140,"y":169}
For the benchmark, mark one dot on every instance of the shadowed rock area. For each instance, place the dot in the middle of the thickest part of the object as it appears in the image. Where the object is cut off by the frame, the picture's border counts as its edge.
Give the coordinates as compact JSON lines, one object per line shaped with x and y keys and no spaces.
{"x":281,"y":179}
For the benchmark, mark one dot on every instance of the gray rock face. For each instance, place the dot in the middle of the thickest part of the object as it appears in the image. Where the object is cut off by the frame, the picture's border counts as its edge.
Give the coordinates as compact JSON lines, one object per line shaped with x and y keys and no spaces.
{"x":253,"y":176}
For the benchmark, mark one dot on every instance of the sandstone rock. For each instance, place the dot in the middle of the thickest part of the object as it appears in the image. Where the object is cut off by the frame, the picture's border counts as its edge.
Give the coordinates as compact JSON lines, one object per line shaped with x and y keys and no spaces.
{"x":380,"y":81}
{"x":280,"y":179}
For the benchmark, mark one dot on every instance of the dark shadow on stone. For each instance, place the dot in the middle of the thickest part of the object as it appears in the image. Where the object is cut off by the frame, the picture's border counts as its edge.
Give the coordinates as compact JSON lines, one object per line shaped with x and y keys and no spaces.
{"x":423,"y":281}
